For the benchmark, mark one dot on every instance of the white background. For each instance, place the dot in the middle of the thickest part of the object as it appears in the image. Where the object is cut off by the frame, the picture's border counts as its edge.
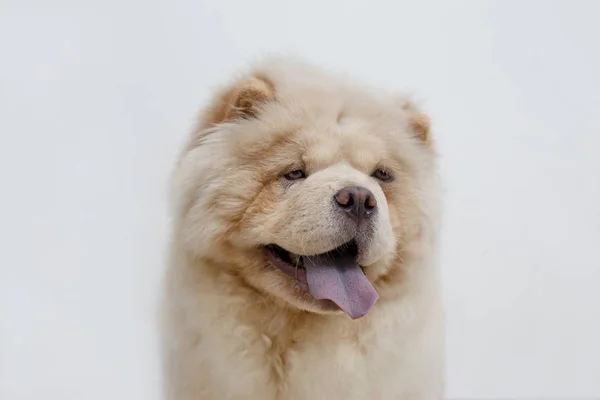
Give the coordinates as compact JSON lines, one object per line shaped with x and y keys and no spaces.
{"x":95,"y":100}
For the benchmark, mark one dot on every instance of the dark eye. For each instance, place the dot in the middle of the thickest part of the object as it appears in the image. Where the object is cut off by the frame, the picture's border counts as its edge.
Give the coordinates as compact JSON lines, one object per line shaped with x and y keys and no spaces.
{"x":295,"y":175}
{"x":382,"y":175}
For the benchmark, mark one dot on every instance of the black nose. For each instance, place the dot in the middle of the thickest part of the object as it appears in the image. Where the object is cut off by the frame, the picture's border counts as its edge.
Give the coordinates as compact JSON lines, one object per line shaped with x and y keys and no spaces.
{"x":357,"y":202}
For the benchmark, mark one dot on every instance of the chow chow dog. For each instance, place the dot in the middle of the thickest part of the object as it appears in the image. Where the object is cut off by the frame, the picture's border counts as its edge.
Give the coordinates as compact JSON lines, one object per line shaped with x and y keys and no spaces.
{"x":303,"y":260}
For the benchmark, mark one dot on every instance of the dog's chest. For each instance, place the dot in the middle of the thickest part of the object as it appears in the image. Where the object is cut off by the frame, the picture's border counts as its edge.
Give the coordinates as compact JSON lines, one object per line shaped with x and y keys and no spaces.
{"x":334,"y":367}
{"x":333,"y":360}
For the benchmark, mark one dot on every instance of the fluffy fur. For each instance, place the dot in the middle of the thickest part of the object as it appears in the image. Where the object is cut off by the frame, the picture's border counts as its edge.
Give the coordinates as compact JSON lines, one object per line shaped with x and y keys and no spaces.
{"x":238,"y":328}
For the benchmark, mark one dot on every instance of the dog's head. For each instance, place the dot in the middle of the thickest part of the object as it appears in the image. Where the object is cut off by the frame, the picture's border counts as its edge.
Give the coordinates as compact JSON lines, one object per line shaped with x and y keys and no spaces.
{"x":306,"y":186}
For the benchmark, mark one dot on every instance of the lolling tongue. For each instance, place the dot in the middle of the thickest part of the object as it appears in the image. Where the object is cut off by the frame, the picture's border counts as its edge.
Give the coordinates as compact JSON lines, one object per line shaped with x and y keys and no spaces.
{"x":336,"y":276}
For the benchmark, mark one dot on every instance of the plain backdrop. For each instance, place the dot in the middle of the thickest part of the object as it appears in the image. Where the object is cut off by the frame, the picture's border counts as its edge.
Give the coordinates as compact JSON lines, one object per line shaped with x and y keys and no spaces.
{"x":96,"y":96}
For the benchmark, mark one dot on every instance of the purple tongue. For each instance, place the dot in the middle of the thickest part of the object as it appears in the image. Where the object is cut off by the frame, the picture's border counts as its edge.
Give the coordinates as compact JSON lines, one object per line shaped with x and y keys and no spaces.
{"x":338,"y":277}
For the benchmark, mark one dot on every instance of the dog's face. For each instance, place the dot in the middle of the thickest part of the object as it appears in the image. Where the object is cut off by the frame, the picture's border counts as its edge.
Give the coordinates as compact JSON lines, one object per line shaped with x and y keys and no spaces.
{"x":305,"y":187}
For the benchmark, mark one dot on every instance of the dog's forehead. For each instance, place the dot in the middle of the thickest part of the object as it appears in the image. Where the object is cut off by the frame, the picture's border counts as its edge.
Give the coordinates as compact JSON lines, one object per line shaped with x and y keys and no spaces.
{"x":354,"y":144}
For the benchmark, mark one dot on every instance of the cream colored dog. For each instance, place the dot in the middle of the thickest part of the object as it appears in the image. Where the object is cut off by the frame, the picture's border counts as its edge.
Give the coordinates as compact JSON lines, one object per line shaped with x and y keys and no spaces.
{"x":303,"y":262}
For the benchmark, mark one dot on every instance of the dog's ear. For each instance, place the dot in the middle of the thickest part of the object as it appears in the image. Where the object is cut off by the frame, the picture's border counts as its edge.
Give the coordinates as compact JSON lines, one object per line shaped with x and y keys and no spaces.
{"x":419,"y":122}
{"x":240,"y":100}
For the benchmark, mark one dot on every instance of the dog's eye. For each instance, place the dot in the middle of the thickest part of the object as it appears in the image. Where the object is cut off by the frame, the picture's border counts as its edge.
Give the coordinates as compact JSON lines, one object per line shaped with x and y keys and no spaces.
{"x":295,"y":175}
{"x":382,"y":175}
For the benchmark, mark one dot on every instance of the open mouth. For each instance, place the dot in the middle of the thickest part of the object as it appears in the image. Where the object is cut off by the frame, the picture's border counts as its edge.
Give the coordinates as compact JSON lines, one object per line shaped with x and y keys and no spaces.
{"x":289,"y":263}
{"x":334,"y":275}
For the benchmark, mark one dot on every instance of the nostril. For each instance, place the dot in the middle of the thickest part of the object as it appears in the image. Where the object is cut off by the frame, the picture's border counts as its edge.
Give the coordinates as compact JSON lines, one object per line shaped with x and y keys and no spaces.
{"x":344,"y":198}
{"x":370,"y":202}
{"x":350,"y":201}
